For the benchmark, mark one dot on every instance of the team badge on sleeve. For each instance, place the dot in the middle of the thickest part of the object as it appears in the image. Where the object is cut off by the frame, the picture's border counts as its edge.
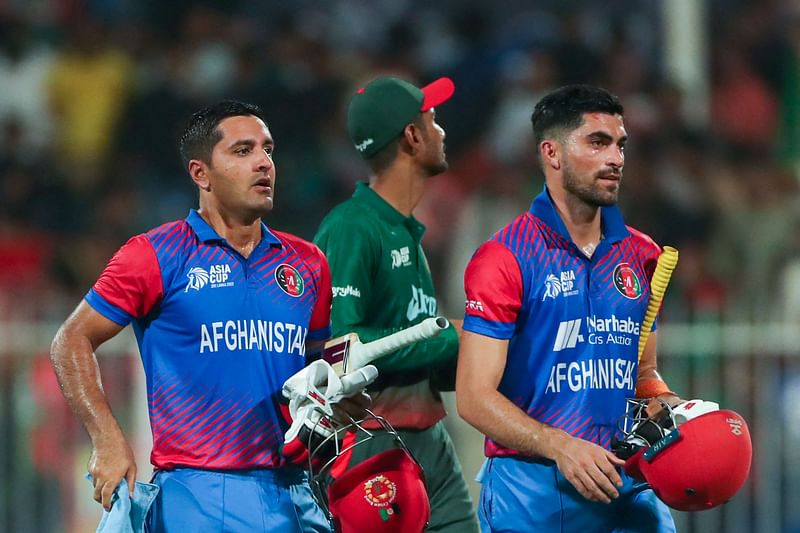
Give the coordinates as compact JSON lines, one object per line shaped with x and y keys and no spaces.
{"x":289,"y":280}
{"x":626,"y":281}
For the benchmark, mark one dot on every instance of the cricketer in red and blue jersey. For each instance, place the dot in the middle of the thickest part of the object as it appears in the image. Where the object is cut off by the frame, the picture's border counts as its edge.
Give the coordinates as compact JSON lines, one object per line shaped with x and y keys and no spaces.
{"x":573,"y":322}
{"x":222,"y":308}
{"x":218,"y":336}
{"x":549,"y":355}
{"x":573,"y":326}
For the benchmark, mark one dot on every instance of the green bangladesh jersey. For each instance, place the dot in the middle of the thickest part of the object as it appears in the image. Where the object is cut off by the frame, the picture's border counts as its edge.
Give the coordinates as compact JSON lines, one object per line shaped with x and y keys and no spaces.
{"x":381,"y":284}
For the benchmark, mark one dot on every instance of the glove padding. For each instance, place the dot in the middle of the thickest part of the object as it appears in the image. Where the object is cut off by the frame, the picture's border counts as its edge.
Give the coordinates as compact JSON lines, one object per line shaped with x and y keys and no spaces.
{"x":311,"y":393}
{"x":688,"y":410}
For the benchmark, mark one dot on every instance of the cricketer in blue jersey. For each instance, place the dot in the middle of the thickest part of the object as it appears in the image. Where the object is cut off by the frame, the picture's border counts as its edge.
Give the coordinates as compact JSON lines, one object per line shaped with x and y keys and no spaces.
{"x":555,"y":303}
{"x":223,"y":309}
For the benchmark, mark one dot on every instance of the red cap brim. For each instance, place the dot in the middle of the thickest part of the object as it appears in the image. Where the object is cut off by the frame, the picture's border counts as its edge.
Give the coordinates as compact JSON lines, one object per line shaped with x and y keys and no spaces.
{"x":437,"y":93}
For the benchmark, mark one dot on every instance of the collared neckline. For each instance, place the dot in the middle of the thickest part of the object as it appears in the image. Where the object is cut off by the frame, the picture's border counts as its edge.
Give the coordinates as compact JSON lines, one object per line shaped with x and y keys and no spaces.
{"x":366,"y":194}
{"x":611,"y":221}
{"x":206,"y":233}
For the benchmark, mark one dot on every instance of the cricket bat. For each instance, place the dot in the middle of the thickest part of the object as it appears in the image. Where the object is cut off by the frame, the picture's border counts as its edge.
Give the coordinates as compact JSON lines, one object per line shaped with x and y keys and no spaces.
{"x":658,"y":286}
{"x":347,"y":353}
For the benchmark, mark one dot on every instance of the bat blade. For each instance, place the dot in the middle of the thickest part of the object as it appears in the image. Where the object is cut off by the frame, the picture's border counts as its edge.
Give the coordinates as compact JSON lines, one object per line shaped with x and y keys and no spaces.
{"x":336,"y":350}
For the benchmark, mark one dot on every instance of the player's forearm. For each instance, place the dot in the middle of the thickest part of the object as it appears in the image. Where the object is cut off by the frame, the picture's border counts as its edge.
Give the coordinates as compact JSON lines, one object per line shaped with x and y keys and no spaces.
{"x":496,"y":417}
{"x":650,"y":384}
{"x":78,"y":375}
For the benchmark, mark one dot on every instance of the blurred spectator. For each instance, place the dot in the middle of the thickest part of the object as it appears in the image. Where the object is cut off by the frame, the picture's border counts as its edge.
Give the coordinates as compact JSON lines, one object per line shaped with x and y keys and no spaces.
{"x":746,"y":248}
{"x":24,"y":66}
{"x":579,"y":62}
{"x":89,"y":88}
{"x":524,"y":77}
{"x":789,"y":142}
{"x":744,"y":112}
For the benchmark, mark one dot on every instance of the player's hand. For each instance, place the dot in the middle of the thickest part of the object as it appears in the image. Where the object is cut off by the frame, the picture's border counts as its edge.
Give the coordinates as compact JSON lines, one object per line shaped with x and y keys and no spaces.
{"x":656,"y":405}
{"x":111,"y":460}
{"x":352,"y":407}
{"x":592,"y":470}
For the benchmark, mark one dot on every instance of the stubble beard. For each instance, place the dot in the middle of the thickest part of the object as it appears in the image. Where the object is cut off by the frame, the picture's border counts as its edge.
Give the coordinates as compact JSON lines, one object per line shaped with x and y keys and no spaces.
{"x":438,"y":167}
{"x":592,"y":193}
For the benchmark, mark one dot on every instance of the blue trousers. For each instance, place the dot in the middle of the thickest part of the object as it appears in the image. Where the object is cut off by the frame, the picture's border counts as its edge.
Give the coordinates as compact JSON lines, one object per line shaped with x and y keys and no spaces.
{"x":521,"y":495}
{"x":192,"y":500}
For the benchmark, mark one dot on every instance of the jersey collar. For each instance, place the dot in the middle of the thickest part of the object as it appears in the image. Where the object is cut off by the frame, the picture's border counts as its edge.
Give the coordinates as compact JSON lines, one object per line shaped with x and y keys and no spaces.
{"x":613,"y":226}
{"x":391,"y":215}
{"x":206,"y":233}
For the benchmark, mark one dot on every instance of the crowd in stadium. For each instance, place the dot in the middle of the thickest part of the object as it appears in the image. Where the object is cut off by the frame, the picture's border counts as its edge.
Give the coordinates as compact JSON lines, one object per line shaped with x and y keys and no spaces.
{"x":92,"y":95}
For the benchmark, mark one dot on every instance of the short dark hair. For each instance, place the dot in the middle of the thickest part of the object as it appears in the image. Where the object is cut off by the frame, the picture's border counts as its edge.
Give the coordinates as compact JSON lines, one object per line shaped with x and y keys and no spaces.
{"x":384,"y":157}
{"x":563,"y":109}
{"x":201,"y":134}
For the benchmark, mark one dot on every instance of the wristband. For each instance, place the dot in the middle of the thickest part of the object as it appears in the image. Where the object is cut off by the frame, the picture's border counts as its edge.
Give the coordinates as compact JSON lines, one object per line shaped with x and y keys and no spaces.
{"x":651,"y":387}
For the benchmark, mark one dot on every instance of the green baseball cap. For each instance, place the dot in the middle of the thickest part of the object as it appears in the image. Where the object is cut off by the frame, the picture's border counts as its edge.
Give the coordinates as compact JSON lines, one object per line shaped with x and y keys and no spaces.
{"x":379,"y":111}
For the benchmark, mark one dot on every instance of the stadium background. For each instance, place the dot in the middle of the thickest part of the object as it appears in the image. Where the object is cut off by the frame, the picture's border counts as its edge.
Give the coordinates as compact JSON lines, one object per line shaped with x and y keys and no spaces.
{"x":93,"y":92}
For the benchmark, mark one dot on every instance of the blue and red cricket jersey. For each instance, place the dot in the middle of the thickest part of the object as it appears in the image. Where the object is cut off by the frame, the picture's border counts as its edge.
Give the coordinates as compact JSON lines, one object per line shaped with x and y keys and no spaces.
{"x":573,"y":323}
{"x":218,"y":334}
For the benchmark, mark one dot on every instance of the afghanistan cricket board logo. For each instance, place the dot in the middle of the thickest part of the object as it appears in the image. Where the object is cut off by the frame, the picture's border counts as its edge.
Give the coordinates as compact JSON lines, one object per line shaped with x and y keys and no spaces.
{"x":289,"y":280}
{"x":626,"y":281}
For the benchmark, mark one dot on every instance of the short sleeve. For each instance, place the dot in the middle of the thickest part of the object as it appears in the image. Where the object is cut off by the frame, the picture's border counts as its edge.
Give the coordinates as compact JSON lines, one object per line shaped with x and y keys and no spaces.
{"x":130,"y":285}
{"x":493,"y":285}
{"x":320,"y":325}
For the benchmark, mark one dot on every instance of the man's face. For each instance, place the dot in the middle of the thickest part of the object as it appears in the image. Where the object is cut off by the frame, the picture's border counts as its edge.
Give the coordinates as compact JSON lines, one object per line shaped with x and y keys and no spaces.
{"x":433,"y":157}
{"x":594,"y":155}
{"x":242,"y":173}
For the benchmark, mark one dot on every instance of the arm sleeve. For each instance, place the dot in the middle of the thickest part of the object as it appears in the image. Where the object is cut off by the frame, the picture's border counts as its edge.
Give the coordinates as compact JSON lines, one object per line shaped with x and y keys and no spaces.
{"x":493,"y":285}
{"x":353,"y":262}
{"x":130,"y":285}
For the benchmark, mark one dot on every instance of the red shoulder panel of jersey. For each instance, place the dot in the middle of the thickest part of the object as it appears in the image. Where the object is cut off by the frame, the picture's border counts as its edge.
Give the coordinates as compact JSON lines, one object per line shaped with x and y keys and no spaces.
{"x":318,"y":264}
{"x":646,"y":248}
{"x":132,"y":280}
{"x":493,"y":284}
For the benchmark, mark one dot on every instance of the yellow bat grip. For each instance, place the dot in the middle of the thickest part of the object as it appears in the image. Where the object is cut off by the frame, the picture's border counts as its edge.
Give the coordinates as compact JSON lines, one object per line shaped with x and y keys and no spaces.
{"x":658,"y":286}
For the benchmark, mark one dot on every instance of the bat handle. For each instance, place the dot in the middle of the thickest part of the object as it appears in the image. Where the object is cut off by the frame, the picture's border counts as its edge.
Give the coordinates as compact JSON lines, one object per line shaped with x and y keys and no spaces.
{"x":370,"y":351}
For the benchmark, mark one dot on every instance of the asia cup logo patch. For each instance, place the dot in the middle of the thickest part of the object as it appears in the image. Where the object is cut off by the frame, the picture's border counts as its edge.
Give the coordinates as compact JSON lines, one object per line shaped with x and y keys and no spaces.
{"x":626,"y":281}
{"x":289,"y":280}
{"x":198,"y":278}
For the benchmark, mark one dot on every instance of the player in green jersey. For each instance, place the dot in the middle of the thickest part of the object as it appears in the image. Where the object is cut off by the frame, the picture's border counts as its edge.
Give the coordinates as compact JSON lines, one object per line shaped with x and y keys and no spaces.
{"x":382,"y":283}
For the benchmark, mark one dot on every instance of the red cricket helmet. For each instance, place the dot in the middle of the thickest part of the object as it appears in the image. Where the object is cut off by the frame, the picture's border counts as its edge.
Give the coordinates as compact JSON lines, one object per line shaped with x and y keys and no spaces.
{"x":384,"y":493}
{"x":700,"y":464}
